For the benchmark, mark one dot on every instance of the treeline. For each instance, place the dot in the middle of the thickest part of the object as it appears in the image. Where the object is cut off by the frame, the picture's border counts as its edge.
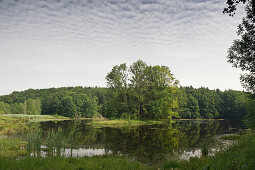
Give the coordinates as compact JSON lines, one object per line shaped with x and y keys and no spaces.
{"x":29,"y":107}
{"x":86,"y":101}
{"x":139,"y":91}
{"x":205,"y":103}
{"x":151,"y":92}
{"x":65,"y":101}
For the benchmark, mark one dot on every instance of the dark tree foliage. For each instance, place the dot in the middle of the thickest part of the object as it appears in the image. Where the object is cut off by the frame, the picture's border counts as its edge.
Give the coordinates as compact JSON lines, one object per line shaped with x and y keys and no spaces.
{"x":66,"y":101}
{"x":5,"y":108}
{"x":232,"y":6}
{"x":249,"y":117}
{"x":157,"y":101}
{"x":205,"y":103}
{"x":234,"y":104}
{"x":242,"y":53}
{"x":141,"y":91}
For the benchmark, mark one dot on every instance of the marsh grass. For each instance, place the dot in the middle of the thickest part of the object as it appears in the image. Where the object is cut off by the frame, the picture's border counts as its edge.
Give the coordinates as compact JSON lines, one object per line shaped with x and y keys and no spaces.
{"x":230,"y":137}
{"x":34,"y":143}
{"x":238,"y":156}
{"x":17,"y":124}
{"x":36,"y":118}
{"x":71,"y":138}
{"x":205,"y":150}
{"x":55,"y":143}
{"x":122,"y":123}
{"x":12,"y":147}
{"x":11,"y":126}
{"x":88,"y":163}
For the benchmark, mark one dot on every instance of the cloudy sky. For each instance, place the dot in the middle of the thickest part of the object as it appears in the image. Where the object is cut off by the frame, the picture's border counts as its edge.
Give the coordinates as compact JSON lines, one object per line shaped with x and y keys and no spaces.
{"x":58,"y":43}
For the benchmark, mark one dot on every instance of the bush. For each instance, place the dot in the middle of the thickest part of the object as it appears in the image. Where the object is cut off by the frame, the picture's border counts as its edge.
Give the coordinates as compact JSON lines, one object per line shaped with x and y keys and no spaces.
{"x":170,"y":165}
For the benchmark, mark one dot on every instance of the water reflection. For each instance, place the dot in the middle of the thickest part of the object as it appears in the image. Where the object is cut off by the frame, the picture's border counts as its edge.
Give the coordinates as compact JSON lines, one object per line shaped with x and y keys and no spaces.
{"x":188,"y":154}
{"x":150,"y":144}
{"x":85,"y":152}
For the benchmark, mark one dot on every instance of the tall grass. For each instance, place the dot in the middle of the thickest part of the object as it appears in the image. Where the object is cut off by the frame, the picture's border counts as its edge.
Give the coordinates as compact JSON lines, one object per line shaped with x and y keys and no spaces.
{"x":34,"y":143}
{"x":123,"y":123}
{"x":238,"y":156}
{"x":35,"y":118}
{"x":55,"y":143}
{"x":12,"y":148}
{"x":71,"y":137}
{"x":61,"y":163}
{"x":11,"y":126}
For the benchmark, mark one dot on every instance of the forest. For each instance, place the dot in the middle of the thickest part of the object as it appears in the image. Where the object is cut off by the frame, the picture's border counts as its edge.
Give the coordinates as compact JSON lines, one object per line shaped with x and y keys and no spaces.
{"x":139,"y":91}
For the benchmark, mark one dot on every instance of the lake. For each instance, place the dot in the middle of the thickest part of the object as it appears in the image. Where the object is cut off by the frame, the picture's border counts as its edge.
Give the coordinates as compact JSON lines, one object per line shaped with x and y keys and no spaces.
{"x":152,"y":144}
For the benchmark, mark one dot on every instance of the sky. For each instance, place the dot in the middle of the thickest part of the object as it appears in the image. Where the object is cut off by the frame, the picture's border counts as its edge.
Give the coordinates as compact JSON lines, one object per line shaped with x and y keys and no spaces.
{"x":57,"y":43}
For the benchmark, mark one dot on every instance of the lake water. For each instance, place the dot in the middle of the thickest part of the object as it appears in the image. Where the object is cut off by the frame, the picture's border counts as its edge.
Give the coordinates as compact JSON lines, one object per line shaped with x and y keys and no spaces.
{"x":151,"y":144}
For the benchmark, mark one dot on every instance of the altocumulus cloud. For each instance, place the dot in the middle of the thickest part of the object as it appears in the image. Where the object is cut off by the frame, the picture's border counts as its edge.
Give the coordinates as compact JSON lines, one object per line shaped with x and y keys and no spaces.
{"x":75,"y":42}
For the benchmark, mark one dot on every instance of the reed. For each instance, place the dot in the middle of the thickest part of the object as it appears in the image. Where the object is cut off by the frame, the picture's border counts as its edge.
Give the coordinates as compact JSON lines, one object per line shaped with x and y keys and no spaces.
{"x":34,"y":143}
{"x":55,"y":143}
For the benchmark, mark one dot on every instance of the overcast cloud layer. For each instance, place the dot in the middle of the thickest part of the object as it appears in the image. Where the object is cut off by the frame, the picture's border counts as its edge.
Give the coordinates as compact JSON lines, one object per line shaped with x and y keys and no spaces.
{"x":69,"y":43}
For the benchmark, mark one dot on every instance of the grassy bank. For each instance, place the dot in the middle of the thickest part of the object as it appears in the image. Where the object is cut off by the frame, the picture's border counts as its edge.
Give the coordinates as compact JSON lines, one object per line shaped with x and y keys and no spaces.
{"x":230,"y":137}
{"x":10,"y":126}
{"x":239,"y":156}
{"x":38,"y":118}
{"x":121,"y":123}
{"x":92,"y":163}
{"x":12,"y":147}
{"x":16,"y":124}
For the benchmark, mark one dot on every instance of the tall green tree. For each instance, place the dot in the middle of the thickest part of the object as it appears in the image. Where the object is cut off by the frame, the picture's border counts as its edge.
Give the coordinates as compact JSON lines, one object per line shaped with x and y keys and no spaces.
{"x":18,"y":108}
{"x":234,"y":104}
{"x":160,"y":92}
{"x":33,"y":106}
{"x":137,"y":85}
{"x":118,"y":87}
{"x":242,"y":53}
{"x":250,"y":114}
{"x":5,"y":108}
{"x":67,"y":107}
{"x":149,"y":93}
{"x":91,"y":107}
{"x":193,"y":107}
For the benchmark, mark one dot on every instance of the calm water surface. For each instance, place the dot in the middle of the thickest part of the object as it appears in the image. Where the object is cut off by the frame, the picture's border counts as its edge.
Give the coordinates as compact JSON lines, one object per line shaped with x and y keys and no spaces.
{"x":152,"y":144}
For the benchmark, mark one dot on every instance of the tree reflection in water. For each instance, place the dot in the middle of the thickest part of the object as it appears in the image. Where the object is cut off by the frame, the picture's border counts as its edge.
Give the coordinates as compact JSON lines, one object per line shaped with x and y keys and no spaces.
{"x":150,"y":144}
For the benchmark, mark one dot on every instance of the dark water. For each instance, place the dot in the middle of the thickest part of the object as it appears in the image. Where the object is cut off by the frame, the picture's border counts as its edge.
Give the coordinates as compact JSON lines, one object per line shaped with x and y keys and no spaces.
{"x":152,"y":144}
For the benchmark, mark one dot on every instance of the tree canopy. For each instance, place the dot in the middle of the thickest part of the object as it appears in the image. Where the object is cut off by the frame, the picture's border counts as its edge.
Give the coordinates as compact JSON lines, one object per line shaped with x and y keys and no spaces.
{"x":141,"y":91}
{"x":231,"y":8}
{"x":242,"y":53}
